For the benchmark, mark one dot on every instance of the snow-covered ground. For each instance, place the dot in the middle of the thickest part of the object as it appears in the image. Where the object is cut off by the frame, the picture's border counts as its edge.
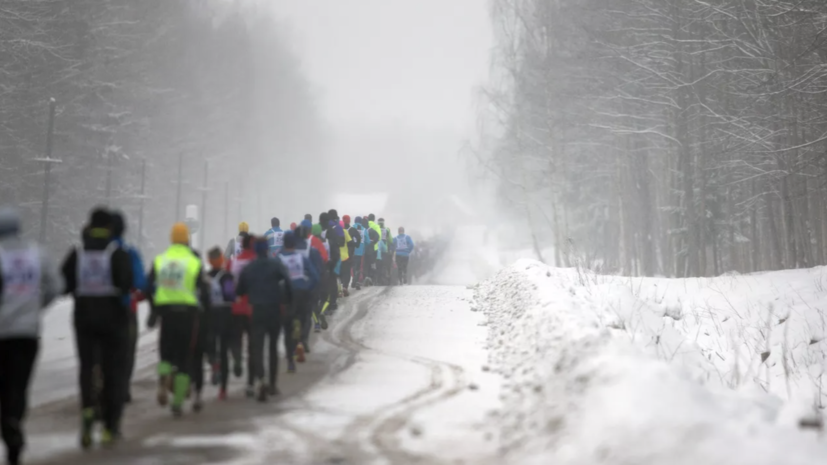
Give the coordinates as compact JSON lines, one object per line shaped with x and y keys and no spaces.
{"x":407,"y":385}
{"x":612,"y":370}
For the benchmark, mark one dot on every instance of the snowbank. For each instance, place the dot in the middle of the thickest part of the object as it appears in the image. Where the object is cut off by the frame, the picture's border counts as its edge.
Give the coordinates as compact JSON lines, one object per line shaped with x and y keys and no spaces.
{"x":610,"y":370}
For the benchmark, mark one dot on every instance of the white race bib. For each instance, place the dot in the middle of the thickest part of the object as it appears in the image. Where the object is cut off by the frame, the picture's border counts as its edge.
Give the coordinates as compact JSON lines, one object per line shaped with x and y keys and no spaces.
{"x":401,"y":243}
{"x":295,"y":266}
{"x":95,"y":273}
{"x":21,"y":273}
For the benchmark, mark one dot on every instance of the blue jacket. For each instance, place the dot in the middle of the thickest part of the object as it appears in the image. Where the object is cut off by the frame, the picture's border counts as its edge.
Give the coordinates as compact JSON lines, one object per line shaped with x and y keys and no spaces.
{"x":138,"y":272}
{"x":275,"y":240}
{"x":305,"y":276}
{"x":404,"y":245}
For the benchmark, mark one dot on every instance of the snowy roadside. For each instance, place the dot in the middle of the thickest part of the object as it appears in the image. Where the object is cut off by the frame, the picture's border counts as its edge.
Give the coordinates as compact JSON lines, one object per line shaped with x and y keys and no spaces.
{"x":610,"y":370}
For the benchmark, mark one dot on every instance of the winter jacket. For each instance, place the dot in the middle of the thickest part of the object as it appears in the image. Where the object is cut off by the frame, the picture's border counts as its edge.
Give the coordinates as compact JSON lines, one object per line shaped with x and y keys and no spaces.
{"x":29,"y":282}
{"x":301,"y":271}
{"x":265,"y":282}
{"x":344,"y":250}
{"x":375,"y":238}
{"x":404,"y":245}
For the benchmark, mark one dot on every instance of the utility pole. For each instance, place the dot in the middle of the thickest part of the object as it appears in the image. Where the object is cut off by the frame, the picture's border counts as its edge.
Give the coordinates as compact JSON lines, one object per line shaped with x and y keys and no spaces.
{"x":141,"y":208}
{"x":180,"y":181}
{"x":204,"y":190}
{"x":47,"y":165}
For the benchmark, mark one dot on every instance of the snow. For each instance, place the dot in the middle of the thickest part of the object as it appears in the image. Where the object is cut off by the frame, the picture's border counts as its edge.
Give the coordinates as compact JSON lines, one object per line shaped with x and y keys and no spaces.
{"x":601,"y":369}
{"x":399,"y":389}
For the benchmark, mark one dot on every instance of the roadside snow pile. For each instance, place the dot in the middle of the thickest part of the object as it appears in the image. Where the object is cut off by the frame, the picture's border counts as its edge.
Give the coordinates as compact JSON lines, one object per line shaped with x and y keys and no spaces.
{"x":607,"y":370}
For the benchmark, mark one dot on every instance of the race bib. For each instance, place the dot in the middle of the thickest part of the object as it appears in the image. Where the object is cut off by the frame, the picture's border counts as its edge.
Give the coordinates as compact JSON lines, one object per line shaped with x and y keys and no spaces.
{"x":277,"y":239}
{"x":21,"y":273}
{"x":95,"y":273}
{"x":172,"y":274}
{"x":294,"y":265}
{"x":239,"y":241}
{"x":402,"y":243}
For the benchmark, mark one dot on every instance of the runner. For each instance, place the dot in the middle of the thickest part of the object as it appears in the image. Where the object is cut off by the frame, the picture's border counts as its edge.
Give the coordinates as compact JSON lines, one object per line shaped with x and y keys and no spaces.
{"x":28,"y":283}
{"x":222,"y":289}
{"x":99,"y":276}
{"x":177,"y":284}
{"x":235,"y":245}
{"x":313,"y":248}
{"x":404,"y":246}
{"x":275,"y":237}
{"x":242,"y":312}
{"x":136,"y":296}
{"x":354,"y":239}
{"x":375,"y":234}
{"x":304,"y":277}
{"x":267,"y":284}
{"x":358,"y":231}
{"x":385,"y":262}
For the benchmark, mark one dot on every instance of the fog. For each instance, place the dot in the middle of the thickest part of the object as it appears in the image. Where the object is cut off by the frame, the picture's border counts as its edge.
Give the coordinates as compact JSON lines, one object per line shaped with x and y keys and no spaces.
{"x":396,"y":83}
{"x":247,"y":109}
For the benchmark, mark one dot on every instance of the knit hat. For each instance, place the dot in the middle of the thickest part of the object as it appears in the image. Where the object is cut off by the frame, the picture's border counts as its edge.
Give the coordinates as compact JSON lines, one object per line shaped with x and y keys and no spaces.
{"x":317,"y":230}
{"x":9,"y":221}
{"x":100,"y":218}
{"x":358,"y":220}
{"x":289,"y":240}
{"x":243,"y":227}
{"x":180,"y":234}
{"x":346,"y":219}
{"x":293,"y":226}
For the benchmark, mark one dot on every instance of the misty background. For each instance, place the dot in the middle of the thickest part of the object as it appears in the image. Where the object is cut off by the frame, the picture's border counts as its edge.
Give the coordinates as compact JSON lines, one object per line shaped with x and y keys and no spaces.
{"x":269,"y":108}
{"x":641,"y":137}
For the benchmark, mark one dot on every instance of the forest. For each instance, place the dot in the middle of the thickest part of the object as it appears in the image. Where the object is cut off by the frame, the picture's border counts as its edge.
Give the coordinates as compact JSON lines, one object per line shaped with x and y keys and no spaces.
{"x":150,"y":86}
{"x":662,"y":137}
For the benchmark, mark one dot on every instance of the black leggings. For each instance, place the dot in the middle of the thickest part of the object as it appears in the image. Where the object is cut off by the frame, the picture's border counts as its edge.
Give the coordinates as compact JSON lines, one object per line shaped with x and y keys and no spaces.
{"x":17,"y":357}
{"x":267,"y":324}
{"x":103,"y":344}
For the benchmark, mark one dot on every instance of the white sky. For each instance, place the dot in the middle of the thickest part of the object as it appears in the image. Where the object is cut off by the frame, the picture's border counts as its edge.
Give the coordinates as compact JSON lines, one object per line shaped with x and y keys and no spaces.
{"x":409,"y":62}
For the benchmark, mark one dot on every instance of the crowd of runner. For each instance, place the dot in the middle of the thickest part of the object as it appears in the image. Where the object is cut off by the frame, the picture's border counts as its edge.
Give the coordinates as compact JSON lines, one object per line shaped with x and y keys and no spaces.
{"x":259,"y":287}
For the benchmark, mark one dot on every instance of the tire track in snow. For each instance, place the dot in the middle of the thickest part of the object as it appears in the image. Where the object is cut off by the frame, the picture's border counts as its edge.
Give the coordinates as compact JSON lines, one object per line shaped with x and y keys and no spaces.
{"x":378,"y":433}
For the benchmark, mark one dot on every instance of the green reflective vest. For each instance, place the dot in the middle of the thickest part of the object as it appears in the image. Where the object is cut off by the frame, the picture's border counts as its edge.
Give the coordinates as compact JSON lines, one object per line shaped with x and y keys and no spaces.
{"x":176,"y":276}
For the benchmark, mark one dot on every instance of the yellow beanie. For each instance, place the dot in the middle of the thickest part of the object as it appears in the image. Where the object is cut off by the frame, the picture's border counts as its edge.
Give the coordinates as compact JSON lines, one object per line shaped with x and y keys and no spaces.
{"x":180,"y":234}
{"x":243,"y":227}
